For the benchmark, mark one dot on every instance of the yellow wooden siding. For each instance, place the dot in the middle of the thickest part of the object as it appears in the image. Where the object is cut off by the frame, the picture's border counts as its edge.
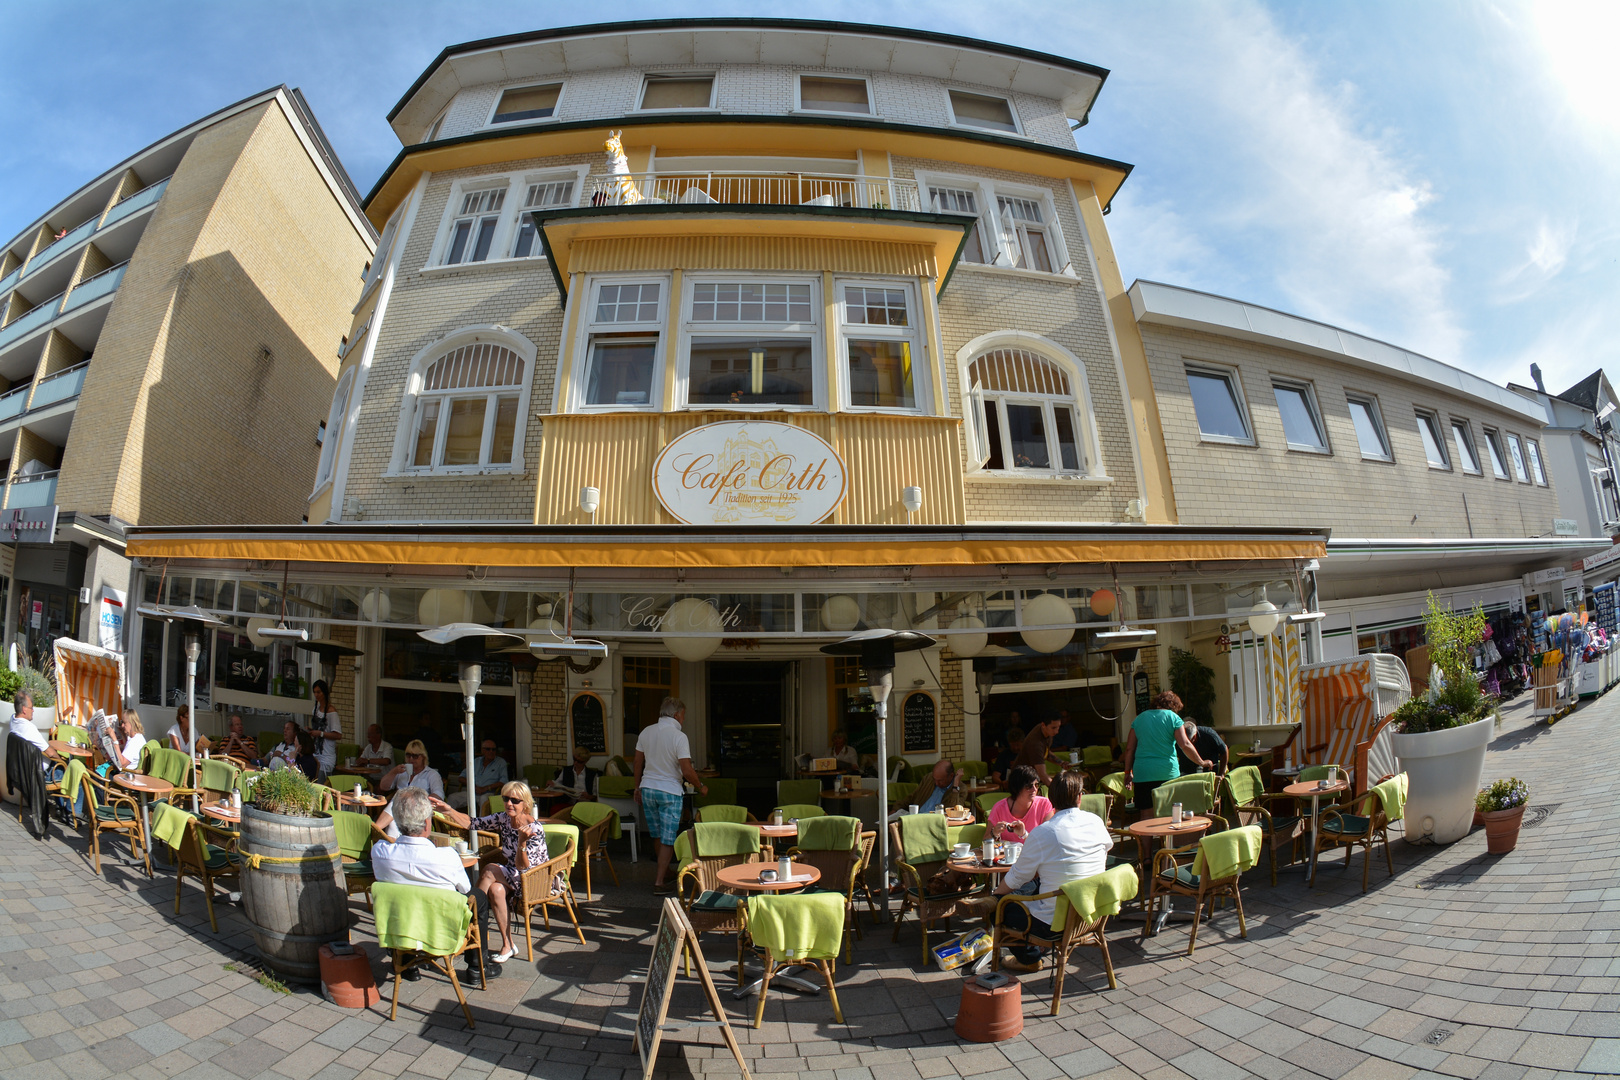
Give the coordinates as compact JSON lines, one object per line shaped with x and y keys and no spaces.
{"x":614,"y":452}
{"x":753,"y":253}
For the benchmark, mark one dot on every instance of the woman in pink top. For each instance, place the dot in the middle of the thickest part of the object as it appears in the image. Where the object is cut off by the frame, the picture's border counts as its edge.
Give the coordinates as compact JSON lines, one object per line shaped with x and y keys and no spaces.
{"x":1016,"y":816}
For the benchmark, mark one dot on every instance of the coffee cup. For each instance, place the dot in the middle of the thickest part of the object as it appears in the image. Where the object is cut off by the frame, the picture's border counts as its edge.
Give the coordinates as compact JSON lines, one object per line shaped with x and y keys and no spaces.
{"x":962,"y":851}
{"x":461,"y":847}
{"x":1074,"y":758}
{"x":912,"y":809}
{"x":406,"y":775}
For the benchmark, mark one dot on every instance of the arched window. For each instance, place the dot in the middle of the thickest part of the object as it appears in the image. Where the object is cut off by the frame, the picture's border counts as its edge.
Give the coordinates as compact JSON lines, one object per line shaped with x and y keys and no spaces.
{"x":468,"y":407}
{"x":1028,"y":415}
{"x":334,"y":428}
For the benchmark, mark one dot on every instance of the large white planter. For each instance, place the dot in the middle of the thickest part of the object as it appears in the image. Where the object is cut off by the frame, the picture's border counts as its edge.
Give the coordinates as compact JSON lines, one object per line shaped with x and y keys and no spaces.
{"x":1443,"y":770}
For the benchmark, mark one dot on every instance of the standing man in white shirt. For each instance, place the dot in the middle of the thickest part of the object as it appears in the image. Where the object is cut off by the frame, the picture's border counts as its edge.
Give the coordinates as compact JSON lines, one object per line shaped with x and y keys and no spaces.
{"x":663,"y":762}
{"x":414,"y":859}
{"x":1070,"y":845}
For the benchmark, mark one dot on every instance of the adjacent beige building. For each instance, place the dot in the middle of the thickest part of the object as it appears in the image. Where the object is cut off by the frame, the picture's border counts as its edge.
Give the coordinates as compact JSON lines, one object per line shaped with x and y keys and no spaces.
{"x":169,"y":336}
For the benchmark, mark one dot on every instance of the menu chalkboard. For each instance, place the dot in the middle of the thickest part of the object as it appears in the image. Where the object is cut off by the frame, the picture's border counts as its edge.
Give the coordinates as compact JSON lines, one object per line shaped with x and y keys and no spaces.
{"x":1603,"y":599}
{"x":588,"y":723}
{"x":675,"y":934}
{"x":921,"y":729}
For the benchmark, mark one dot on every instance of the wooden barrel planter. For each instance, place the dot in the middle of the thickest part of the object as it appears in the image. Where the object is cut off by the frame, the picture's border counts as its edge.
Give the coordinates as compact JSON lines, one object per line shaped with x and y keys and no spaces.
{"x":295,"y":907}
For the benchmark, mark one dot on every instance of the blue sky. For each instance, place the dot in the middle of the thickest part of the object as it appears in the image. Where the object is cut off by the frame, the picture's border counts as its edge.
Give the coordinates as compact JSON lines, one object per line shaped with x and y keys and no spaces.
{"x":1440,"y":175}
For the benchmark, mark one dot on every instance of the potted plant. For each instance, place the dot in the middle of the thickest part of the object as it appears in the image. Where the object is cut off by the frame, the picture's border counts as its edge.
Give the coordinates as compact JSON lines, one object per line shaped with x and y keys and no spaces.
{"x":1440,"y":737}
{"x":1502,"y":806}
{"x":292,"y":874}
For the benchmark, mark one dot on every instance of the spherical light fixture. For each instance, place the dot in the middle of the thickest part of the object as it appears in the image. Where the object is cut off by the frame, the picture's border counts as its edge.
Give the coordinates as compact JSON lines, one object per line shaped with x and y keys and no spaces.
{"x":1102,"y":602}
{"x":256,"y":625}
{"x":1264,"y":616}
{"x":440,"y":606}
{"x":841,"y":613}
{"x":375,"y":606}
{"x":692,"y":616}
{"x":1048,"y":608}
{"x":968,"y":644}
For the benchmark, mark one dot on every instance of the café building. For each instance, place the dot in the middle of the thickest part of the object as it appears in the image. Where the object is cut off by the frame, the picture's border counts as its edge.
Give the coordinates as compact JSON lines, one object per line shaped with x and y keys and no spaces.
{"x":716,"y":341}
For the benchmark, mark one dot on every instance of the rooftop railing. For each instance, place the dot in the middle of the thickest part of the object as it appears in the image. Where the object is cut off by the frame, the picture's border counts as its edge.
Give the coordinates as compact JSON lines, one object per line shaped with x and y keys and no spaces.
{"x":755,"y":189}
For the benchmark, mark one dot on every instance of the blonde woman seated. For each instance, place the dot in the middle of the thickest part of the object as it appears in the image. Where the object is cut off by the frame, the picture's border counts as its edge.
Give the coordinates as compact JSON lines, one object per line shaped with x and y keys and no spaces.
{"x":523,"y":844}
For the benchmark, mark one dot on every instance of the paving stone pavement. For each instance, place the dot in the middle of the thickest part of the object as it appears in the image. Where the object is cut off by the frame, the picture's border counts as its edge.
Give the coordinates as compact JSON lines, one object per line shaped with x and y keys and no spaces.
{"x":1462,"y":965}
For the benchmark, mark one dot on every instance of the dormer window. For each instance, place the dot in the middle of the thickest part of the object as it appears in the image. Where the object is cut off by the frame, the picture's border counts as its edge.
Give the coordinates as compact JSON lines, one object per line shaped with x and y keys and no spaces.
{"x":678,"y":91}
{"x":982,"y":111}
{"x":527,"y":103}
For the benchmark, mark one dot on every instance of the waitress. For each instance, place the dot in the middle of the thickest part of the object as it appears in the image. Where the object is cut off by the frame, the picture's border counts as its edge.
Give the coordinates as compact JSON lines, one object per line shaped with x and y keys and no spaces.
{"x":326,"y":725}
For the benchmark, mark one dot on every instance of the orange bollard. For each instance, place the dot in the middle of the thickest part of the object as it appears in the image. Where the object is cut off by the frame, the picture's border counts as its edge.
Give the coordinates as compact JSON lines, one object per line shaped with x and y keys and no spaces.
{"x":990,"y":1015}
{"x":346,"y":980}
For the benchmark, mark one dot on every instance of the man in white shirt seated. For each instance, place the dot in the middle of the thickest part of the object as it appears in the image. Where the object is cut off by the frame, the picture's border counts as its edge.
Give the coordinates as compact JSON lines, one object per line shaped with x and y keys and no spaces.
{"x":849,"y":759}
{"x":376,"y":751}
{"x":489,"y":770}
{"x":22,"y":720}
{"x":414,"y":859}
{"x":1068,"y":846}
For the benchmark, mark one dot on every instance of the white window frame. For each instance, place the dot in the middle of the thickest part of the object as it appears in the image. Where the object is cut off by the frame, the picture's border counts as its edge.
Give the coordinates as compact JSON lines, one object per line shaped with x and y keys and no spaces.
{"x":1498,"y":450}
{"x":334,"y":430}
{"x":648,"y":77}
{"x":798,"y":94}
{"x":1012,"y":110}
{"x":1538,"y":465}
{"x":576,"y":176}
{"x":1376,"y":414}
{"x":453,"y":214}
{"x":589,"y":328}
{"x":379,"y":258}
{"x":1235,"y":381}
{"x":690,"y":329}
{"x":1517,"y":462}
{"x":1438,"y":429}
{"x":922,"y":388}
{"x":993,"y":243}
{"x":1456,"y":424}
{"x":556,"y":110}
{"x":506,"y":231}
{"x":405,"y":432}
{"x":1308,"y":392}
{"x":433,"y":129}
{"x":1087,"y":438}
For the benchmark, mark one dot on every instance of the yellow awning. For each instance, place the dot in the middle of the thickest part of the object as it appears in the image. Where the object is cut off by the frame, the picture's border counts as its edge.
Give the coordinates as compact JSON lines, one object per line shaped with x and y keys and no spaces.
{"x":677,"y":552}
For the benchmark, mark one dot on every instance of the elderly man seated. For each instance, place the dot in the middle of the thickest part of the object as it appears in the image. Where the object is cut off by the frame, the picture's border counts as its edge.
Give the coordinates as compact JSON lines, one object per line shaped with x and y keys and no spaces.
{"x":414,"y":859}
{"x":1072,"y":844}
{"x":239,"y":744}
{"x":376,"y":751}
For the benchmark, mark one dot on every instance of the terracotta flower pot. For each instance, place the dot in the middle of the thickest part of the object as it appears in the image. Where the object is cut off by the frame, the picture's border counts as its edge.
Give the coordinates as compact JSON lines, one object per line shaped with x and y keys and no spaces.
{"x":1502,"y":829}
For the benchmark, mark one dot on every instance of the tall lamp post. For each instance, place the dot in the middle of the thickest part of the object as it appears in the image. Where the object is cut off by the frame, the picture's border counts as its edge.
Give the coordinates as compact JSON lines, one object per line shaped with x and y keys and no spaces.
{"x":193,"y":622}
{"x":472,"y":642}
{"x":877,"y":648}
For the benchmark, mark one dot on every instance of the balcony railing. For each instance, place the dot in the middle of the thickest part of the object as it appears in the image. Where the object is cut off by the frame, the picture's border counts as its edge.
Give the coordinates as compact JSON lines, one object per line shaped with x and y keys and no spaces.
{"x":38,"y":489}
{"x":58,"y":387}
{"x":94,"y":288}
{"x":12,"y":402}
{"x":56,"y":247}
{"x":138,"y":201}
{"x":768,"y":189}
{"x":9,"y":280}
{"x":30,"y":320}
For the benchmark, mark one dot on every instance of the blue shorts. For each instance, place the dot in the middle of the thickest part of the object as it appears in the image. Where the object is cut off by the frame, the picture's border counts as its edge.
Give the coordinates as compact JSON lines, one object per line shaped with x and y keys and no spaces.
{"x":663,"y":812}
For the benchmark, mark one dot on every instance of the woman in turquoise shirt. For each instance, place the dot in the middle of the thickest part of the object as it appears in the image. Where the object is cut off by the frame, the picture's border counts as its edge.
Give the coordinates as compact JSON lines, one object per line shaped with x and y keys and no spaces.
{"x":1150,"y":752}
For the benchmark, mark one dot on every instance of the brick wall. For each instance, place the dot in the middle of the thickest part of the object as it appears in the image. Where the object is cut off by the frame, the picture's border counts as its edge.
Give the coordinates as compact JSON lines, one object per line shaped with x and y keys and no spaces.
{"x":1268,"y":484}
{"x":548,"y":719}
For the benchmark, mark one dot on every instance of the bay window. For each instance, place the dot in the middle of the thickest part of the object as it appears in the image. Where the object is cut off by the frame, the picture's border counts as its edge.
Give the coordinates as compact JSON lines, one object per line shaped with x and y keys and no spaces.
{"x":752,"y":343}
{"x":622,"y":343}
{"x":881,"y":346}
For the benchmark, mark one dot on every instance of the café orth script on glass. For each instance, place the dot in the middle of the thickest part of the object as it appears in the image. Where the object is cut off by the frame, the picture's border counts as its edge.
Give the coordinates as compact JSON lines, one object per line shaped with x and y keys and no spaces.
{"x":749,"y":473}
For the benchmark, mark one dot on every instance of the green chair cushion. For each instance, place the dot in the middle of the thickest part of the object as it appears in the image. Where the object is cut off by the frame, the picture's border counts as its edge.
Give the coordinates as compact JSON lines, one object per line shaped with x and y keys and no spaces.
{"x":988,"y":801}
{"x":357,"y":869}
{"x":712,"y":900}
{"x":615,"y":787}
{"x":1346,"y":825}
{"x":218,"y":858}
{"x":722,"y":789}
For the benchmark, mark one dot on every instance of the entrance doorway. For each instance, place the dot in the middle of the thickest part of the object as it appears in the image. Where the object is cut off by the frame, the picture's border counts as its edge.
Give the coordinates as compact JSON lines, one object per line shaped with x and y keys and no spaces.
{"x":750,"y":704}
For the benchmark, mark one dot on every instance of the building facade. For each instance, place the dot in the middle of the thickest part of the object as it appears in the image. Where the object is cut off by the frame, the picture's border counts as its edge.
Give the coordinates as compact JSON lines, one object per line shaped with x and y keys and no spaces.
{"x":1430,"y":479}
{"x":167,"y":345}
{"x":717,"y":341}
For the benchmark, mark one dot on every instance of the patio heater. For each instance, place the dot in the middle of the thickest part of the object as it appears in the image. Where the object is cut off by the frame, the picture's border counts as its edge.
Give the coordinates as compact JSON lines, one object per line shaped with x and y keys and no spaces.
{"x":472,"y":642}
{"x":877,"y":648}
{"x":193,"y":621}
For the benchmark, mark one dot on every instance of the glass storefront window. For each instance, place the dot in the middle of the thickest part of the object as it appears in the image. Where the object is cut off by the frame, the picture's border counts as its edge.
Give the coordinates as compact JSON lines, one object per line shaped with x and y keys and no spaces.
{"x":152,"y":657}
{"x":409,"y":658}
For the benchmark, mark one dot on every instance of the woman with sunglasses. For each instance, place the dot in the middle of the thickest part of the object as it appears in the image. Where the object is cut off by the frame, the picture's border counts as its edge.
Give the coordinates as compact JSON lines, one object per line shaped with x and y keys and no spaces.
{"x":523,"y":844}
{"x":414,"y":773}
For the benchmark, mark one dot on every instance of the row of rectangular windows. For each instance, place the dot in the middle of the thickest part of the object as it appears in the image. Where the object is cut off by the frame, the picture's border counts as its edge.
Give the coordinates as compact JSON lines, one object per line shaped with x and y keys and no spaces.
{"x":1218,"y":401}
{"x":695,"y":90}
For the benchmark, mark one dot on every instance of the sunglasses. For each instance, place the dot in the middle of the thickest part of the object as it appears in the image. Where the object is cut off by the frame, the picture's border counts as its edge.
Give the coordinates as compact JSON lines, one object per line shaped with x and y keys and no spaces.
{"x":511,"y":799}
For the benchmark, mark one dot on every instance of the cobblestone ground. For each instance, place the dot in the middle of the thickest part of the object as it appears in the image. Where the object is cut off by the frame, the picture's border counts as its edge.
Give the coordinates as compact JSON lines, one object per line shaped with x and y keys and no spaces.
{"x":1462,"y":964}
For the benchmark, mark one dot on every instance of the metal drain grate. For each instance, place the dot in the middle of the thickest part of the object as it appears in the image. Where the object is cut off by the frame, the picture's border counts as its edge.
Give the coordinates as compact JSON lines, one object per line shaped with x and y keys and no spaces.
{"x":1438,"y":1036}
{"x":1535,"y":815}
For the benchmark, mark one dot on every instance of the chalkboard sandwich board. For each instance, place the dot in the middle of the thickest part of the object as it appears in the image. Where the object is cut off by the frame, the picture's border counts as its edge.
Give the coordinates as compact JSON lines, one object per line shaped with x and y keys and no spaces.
{"x":675,"y":934}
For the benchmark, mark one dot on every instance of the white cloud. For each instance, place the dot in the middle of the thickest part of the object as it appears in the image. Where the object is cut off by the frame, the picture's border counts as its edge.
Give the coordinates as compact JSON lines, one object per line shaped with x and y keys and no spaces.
{"x":1546,"y":254}
{"x":1159,"y":243}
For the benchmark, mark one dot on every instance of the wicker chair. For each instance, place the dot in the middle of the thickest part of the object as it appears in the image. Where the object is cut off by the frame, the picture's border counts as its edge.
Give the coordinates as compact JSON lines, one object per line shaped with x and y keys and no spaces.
{"x":929,"y":907}
{"x":1249,"y":804}
{"x":1341,"y":829}
{"x":535,"y":891}
{"x":1182,"y":871}
{"x":708,"y":909}
{"x":207,"y":862}
{"x":593,"y":838}
{"x":1077,"y":932}
{"x":390,"y":897}
{"x":111,"y":811}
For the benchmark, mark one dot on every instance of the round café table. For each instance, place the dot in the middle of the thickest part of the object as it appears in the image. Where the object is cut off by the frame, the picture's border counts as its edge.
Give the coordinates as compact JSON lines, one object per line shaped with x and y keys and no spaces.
{"x":769,"y":833}
{"x":744,"y":877}
{"x":225,"y":815}
{"x":974,"y":865}
{"x":59,"y":749}
{"x":1314,"y":790}
{"x":365,"y":804}
{"x":145,"y":788}
{"x":1149,"y":833}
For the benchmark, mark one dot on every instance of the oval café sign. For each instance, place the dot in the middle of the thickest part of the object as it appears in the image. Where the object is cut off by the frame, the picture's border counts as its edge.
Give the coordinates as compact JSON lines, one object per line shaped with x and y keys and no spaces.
{"x":749,"y":473}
